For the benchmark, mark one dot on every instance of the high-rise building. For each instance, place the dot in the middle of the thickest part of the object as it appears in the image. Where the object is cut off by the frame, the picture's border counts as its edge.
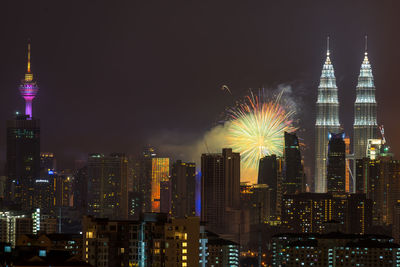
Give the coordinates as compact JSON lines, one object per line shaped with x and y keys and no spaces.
{"x":307,"y":212}
{"x":13,"y":224}
{"x":313,"y":212}
{"x":154,"y":240}
{"x":365,"y":109}
{"x":23,"y":147}
{"x":293,"y":167}
{"x":334,"y":249}
{"x":396,"y":222}
{"x":336,"y":163}
{"x":107,"y":185}
{"x":349,"y":184}
{"x":327,"y":121}
{"x":80,"y":190}
{"x":358,"y":214}
{"x":270,"y":173}
{"x":165,"y":196}
{"x":159,"y":174}
{"x":220,"y":191}
{"x":183,"y":185}
{"x":222,"y":252}
{"x":23,"y":159}
{"x":47,"y":162}
{"x":379,"y":179}
{"x":65,"y":189}
{"x":142,"y":178}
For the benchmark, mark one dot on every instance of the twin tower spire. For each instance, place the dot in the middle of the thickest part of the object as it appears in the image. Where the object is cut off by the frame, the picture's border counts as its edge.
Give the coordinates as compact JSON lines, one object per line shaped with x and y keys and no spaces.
{"x":327,"y":119}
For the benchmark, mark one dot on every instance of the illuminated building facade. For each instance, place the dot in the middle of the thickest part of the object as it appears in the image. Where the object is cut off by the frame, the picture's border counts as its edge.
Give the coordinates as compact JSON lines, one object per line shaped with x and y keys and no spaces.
{"x":313,"y":212}
{"x":107,"y":185}
{"x":222,"y":252}
{"x":13,"y":224}
{"x":23,"y":160}
{"x":47,"y":162}
{"x":358,"y":214}
{"x":336,"y":163}
{"x":183,"y":185}
{"x":334,"y":249}
{"x":293,"y":167}
{"x":307,"y":212}
{"x":380,"y":181}
{"x":348,"y":182}
{"x":64,"y":189}
{"x":327,"y":121}
{"x":220,"y":191}
{"x":154,"y":240}
{"x":365,"y":109}
{"x":141,"y":169}
{"x":159,"y":173}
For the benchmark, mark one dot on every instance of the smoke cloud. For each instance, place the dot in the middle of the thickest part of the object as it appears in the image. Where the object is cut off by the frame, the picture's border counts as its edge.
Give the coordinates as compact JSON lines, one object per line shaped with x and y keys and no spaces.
{"x":189,"y":147}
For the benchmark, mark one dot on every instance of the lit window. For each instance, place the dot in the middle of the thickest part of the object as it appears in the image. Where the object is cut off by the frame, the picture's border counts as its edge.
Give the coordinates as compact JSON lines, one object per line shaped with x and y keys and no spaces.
{"x":89,"y":234}
{"x":184,"y":251}
{"x":184,"y":244}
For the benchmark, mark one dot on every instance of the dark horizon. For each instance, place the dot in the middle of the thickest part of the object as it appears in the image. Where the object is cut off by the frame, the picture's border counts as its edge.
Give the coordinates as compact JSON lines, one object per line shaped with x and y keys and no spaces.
{"x":114,"y":77}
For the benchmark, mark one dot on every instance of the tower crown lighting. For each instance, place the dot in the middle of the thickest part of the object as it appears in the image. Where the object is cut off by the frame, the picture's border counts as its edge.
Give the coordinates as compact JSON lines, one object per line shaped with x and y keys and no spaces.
{"x":327,"y":119}
{"x":28,"y":87}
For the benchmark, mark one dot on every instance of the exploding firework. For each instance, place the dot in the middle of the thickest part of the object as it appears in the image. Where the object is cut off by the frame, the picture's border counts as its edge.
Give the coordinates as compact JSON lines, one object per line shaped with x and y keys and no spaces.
{"x":257,"y":127}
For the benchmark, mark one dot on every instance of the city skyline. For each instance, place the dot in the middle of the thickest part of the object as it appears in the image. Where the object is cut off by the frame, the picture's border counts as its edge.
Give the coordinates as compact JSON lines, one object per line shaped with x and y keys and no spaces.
{"x":117,"y":77}
{"x":217,"y":134}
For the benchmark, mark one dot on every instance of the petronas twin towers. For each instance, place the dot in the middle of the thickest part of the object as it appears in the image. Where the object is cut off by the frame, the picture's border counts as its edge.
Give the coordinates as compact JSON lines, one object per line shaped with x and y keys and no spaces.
{"x":327,"y":119}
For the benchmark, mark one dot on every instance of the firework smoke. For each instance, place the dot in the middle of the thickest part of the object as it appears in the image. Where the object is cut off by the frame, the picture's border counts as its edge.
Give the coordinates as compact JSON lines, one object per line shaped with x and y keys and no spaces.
{"x":254,"y":127}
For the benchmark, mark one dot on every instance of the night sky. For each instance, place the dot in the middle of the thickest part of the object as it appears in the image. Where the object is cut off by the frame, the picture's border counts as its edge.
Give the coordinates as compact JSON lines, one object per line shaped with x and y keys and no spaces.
{"x":115,"y":75}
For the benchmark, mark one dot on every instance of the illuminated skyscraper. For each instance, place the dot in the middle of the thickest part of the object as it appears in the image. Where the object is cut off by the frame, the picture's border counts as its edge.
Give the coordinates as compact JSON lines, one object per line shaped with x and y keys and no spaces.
{"x":327,"y":121}
{"x":365,"y":123}
{"x":23,"y":147}
{"x":28,"y":87}
{"x":159,"y":173}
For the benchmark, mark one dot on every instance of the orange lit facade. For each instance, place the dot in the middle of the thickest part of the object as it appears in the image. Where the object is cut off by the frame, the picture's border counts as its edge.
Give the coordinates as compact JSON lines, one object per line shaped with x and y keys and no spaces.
{"x":347,"y":185}
{"x":159,"y":173}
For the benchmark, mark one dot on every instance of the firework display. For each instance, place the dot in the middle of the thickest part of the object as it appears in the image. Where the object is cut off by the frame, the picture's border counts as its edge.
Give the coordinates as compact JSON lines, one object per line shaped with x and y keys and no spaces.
{"x":257,"y":127}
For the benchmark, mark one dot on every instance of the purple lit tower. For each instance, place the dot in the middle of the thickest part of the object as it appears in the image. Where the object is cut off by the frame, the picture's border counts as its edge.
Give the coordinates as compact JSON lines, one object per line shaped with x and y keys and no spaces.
{"x":28,"y":87}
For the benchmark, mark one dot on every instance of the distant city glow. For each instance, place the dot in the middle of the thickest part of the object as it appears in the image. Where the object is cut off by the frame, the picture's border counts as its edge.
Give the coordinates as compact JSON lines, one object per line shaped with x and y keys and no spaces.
{"x":257,"y":127}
